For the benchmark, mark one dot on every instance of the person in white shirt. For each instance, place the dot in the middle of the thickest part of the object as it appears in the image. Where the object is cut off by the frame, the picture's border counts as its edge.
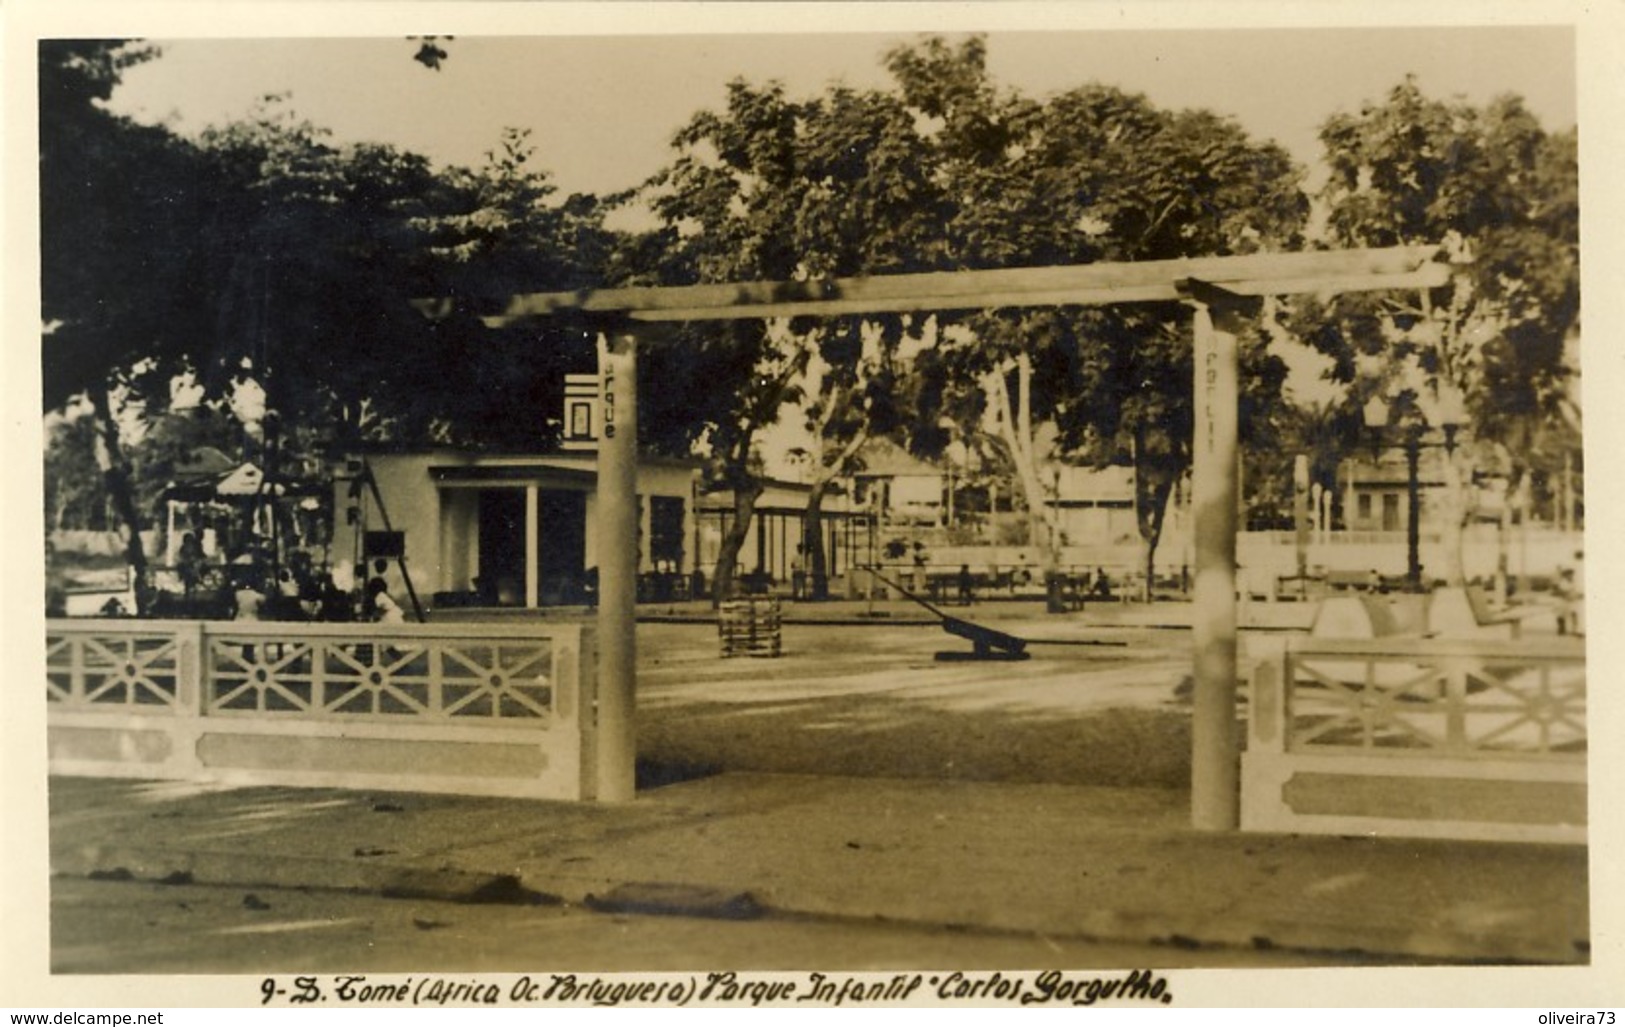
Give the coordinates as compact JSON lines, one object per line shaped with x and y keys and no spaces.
{"x":382,"y":606}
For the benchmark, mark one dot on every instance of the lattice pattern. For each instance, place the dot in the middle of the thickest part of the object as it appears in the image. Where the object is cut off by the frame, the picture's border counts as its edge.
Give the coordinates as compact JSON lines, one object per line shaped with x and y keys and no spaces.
{"x":431,"y":679}
{"x":1498,"y":705}
{"x":112,"y":669}
{"x":1541,"y":707}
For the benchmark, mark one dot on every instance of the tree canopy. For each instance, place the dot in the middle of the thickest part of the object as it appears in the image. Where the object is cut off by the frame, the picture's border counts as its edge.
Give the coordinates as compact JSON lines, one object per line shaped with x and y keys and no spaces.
{"x":1491,"y":350}
{"x":261,"y":250}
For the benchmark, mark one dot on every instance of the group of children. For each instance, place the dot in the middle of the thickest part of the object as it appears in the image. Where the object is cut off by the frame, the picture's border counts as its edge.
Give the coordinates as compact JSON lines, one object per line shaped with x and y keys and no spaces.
{"x":287,"y":596}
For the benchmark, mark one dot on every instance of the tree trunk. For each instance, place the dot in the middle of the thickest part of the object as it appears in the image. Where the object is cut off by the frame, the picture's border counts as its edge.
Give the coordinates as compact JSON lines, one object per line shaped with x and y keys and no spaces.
{"x":120,"y":490}
{"x":723,"y":585}
{"x":1453,"y":523}
{"x":812,"y":529}
{"x":812,"y":533}
{"x":1016,"y":426}
{"x":1151,"y":508}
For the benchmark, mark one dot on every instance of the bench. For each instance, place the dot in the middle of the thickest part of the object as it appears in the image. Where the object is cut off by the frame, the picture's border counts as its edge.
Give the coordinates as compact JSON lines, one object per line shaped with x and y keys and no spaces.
{"x":1299,"y":588}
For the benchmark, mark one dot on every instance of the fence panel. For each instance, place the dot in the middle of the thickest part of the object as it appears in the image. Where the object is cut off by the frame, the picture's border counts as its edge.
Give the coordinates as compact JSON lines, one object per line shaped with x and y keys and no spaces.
{"x":1419,"y":738}
{"x":462,"y":708}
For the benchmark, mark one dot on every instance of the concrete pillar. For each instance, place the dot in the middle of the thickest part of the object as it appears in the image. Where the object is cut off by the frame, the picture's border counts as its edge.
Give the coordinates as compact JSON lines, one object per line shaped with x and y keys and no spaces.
{"x":617,"y":555}
{"x":1215,"y":745}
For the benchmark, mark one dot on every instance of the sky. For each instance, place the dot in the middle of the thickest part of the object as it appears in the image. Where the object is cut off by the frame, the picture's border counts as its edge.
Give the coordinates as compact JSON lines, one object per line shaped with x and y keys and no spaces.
{"x":602,"y":108}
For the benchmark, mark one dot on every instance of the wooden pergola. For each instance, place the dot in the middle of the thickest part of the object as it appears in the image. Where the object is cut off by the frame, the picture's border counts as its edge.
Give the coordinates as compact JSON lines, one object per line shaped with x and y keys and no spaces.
{"x":1220,"y":291}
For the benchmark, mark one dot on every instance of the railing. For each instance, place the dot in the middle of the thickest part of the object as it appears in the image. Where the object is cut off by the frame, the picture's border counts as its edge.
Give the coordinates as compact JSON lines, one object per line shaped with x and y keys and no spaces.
{"x":485,"y":709}
{"x":1456,"y":698}
{"x":1419,"y":736}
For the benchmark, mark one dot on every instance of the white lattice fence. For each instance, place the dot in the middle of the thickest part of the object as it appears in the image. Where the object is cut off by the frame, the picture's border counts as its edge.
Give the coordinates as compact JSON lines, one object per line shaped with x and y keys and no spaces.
{"x":1419,"y":737}
{"x":460,"y":708}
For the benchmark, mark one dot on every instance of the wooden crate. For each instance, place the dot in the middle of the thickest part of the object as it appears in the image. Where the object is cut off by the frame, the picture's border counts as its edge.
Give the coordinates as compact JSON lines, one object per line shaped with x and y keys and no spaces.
{"x":750,"y":626}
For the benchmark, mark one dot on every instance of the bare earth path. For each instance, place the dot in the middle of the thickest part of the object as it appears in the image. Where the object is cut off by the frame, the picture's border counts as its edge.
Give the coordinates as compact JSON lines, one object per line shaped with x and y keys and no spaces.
{"x":872,"y":701}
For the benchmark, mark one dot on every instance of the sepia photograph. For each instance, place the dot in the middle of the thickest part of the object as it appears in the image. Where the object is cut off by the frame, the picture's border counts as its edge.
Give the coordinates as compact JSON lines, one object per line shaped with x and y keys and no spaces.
{"x":808,"y":505}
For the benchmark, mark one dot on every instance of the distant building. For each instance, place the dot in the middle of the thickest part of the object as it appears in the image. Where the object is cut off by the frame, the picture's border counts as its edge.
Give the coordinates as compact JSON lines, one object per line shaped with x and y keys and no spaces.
{"x":1095,"y":504}
{"x":902,"y":487}
{"x":229,"y":506}
{"x":503,"y":529}
{"x":1377,"y":496}
{"x":521,"y":529}
{"x":775,"y":544}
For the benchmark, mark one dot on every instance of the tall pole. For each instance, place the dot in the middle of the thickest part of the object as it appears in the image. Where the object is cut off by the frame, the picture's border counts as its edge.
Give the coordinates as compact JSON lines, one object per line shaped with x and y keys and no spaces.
{"x":1565,"y":513}
{"x":617,"y":565}
{"x":697,"y":581}
{"x":1301,"y":513}
{"x":1413,"y":518}
{"x":1215,"y":744}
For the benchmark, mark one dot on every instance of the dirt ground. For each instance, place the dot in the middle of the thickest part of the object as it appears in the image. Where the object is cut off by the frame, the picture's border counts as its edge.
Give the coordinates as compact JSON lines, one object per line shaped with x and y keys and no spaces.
{"x":1102,"y":711}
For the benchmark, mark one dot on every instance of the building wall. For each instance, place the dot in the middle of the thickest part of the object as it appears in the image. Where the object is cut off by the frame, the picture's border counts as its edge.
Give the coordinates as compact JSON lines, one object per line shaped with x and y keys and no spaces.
{"x":439,"y":519}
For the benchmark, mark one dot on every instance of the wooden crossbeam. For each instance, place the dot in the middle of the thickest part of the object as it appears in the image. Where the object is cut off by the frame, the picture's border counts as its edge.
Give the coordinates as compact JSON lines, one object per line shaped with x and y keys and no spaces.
{"x":1263,"y":274}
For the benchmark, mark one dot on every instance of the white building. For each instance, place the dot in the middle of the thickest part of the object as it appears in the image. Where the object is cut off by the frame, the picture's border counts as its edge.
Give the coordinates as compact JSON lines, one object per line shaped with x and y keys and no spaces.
{"x":504,"y":529}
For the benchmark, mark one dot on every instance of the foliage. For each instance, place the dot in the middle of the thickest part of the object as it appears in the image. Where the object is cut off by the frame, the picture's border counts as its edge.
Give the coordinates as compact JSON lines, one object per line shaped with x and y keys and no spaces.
{"x":947,"y":171}
{"x":779,"y":190}
{"x":1094,"y":174}
{"x":1492,"y":348}
{"x":495,"y":231}
{"x":118,"y":212}
{"x":1501,"y":193}
{"x":74,"y":497}
{"x":316,"y":250}
{"x":261,"y":256}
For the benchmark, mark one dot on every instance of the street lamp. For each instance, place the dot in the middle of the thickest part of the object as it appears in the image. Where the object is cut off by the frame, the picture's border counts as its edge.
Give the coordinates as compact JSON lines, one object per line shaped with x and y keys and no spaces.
{"x":1413,"y":425}
{"x":697,"y":579}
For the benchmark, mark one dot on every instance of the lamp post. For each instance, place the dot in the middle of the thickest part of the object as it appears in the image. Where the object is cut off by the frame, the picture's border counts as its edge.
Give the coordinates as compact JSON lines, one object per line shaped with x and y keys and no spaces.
{"x":1413,"y":507}
{"x":1053,"y":599}
{"x":1377,"y":412}
{"x":1413,"y":425}
{"x":697,"y":579}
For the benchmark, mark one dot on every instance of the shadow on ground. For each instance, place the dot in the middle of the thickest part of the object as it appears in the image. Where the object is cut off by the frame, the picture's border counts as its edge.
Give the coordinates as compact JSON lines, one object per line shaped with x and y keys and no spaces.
{"x":658,"y":773}
{"x":883,"y":736}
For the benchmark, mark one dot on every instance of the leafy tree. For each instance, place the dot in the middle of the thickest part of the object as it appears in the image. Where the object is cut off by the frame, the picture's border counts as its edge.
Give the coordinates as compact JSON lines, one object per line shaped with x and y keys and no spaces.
{"x":315,"y":249}
{"x":865,"y":209}
{"x":74,"y":494}
{"x":1490,"y":347}
{"x":118,"y":282}
{"x":1092,"y":174}
{"x":775,"y":189}
{"x":494,"y":231}
{"x":947,"y":171}
{"x":260,"y":254}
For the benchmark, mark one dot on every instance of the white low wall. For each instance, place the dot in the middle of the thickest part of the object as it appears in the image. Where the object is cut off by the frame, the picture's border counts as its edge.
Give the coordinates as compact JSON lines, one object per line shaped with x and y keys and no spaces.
{"x":460,"y":708}
{"x":1467,"y":739}
{"x":1265,"y":556}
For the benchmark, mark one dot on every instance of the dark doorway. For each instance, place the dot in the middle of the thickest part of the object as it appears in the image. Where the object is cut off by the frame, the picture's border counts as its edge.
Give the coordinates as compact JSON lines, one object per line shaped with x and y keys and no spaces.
{"x":1390,"y":511}
{"x":561,"y":541}
{"x":502,"y":547}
